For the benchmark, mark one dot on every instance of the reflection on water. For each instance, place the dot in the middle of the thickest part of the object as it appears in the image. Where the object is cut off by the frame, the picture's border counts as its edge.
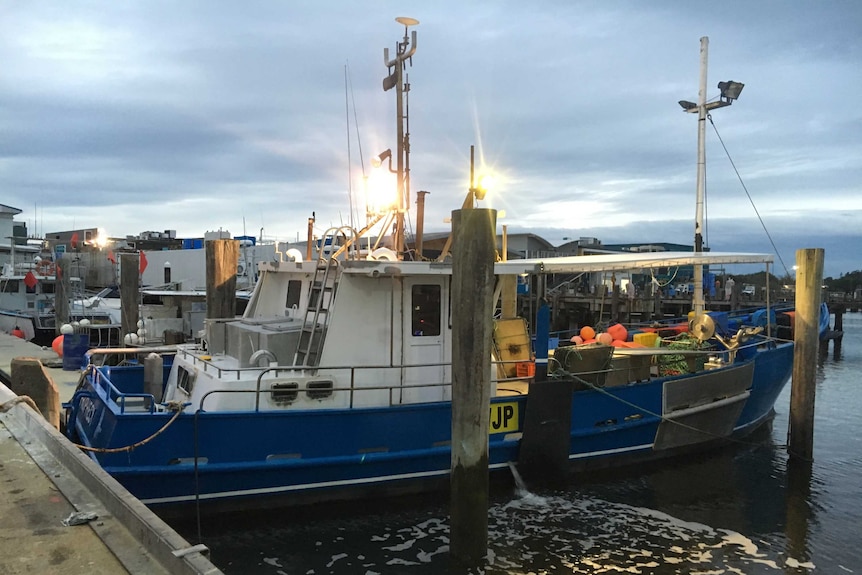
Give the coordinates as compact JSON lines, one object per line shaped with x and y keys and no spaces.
{"x":742,"y":510}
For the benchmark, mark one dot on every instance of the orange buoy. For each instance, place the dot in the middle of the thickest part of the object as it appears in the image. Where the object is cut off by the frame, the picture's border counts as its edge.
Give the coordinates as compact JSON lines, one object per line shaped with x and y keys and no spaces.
{"x":577,"y":340}
{"x":618,"y":331}
{"x":18,"y":332}
{"x":587,"y":333}
{"x":605,"y":338}
{"x":57,"y":345}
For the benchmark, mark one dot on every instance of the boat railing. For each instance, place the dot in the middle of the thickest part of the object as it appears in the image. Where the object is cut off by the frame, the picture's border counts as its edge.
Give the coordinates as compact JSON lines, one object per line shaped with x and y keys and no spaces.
{"x":121,"y":398}
{"x":128,"y":400}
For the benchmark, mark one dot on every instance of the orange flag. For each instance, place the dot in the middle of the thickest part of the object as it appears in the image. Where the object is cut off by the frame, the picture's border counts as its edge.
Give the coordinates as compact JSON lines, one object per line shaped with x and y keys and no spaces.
{"x":143,"y":264}
{"x":30,"y":280}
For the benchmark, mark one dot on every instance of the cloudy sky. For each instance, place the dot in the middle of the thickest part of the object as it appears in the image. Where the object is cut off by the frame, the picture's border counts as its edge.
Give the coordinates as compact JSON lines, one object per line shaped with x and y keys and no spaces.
{"x":201,"y":115}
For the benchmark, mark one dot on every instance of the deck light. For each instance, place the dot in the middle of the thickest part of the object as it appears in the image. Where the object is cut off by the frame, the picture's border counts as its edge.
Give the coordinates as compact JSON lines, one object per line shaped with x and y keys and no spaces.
{"x":486,"y":182}
{"x":377,"y":160}
{"x":730,"y":90}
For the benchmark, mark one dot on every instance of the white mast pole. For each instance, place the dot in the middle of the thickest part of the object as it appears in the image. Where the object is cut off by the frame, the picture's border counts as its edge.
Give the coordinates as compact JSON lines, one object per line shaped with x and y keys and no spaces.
{"x":697,"y":299}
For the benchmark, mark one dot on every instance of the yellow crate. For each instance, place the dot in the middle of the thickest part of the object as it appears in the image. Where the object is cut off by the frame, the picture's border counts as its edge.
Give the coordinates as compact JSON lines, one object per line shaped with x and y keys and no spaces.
{"x":648,"y":339}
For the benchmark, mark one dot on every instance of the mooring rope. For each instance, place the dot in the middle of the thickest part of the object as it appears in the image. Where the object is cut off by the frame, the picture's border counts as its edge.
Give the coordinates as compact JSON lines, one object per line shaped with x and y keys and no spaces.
{"x":176,"y":406}
{"x":7,"y":405}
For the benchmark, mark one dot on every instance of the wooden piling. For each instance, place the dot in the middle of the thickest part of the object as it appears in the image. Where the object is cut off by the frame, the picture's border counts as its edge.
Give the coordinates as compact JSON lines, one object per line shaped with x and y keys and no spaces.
{"x":472,"y":308}
{"x":798,"y":511}
{"x":222,"y":260}
{"x":839,"y":330}
{"x":809,"y":278}
{"x":130,"y":293}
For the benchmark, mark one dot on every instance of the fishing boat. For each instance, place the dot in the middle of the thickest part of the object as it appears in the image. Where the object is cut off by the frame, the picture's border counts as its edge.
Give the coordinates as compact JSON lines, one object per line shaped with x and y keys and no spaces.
{"x":336,"y":382}
{"x":27,"y":305}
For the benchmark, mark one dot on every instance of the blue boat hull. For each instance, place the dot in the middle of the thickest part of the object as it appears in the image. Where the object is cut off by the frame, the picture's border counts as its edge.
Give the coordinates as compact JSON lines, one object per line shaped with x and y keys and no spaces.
{"x":311,"y":455}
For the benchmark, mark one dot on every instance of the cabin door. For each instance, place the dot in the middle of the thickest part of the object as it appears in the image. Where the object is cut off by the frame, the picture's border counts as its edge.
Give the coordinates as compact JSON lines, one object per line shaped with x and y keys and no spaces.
{"x":425,"y":324}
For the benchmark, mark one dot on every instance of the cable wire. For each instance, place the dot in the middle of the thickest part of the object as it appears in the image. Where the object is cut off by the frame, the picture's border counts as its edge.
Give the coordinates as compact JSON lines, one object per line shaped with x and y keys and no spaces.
{"x":742,"y":183}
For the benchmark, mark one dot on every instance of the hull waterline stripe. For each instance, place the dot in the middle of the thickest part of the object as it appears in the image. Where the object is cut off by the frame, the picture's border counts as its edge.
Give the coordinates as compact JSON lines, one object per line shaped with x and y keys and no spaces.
{"x":306,"y":486}
{"x":611,"y":451}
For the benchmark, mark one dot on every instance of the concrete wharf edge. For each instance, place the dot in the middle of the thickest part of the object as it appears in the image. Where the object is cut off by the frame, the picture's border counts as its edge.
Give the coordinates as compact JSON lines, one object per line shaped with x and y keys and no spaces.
{"x":149,"y":546}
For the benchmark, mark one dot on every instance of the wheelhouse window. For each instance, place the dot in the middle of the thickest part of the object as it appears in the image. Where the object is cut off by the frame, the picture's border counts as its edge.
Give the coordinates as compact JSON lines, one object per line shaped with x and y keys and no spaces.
{"x":426,"y":305}
{"x":185,"y":380}
{"x":9,"y":286}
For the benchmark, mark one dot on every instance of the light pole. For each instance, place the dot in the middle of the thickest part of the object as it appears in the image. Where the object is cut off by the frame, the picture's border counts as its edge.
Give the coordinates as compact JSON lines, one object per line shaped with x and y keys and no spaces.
{"x":729,"y":91}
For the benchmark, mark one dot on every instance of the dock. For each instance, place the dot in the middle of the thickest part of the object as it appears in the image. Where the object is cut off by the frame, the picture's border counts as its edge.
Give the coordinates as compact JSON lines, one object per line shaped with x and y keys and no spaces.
{"x":61,"y":512}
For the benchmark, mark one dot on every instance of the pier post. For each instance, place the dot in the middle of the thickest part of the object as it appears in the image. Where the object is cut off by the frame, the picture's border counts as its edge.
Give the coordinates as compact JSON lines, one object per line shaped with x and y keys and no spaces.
{"x":809,"y":277}
{"x":798,"y":511}
{"x":130,"y":293}
{"x":30,"y":378}
{"x":472,"y":309}
{"x":63,"y":288}
{"x":839,"y":330}
{"x":222,"y":259}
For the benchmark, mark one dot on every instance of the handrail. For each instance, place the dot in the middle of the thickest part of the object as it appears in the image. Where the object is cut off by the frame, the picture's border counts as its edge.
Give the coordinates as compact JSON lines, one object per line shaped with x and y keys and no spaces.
{"x":102,"y":380}
{"x":119,"y":397}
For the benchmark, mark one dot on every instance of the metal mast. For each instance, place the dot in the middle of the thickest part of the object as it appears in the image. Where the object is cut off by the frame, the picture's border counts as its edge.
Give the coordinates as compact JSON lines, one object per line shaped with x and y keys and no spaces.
{"x":404,"y":52}
{"x":729,"y":91}
{"x":697,"y":300}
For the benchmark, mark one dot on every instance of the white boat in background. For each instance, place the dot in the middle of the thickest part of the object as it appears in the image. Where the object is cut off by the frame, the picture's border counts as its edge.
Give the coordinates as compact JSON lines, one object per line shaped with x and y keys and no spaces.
{"x":27,"y":303}
{"x":105,"y":302}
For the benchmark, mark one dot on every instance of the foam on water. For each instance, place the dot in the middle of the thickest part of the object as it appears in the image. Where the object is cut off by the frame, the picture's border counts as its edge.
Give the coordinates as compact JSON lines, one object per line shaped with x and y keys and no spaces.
{"x":546,"y":534}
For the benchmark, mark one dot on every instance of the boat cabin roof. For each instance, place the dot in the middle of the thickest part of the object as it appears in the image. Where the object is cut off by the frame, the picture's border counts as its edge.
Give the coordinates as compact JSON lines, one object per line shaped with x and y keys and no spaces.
{"x":567,"y":264}
{"x":626,"y":261}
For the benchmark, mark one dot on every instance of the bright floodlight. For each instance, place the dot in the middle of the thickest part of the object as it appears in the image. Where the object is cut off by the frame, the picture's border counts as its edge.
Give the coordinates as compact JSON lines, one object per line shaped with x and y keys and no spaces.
{"x":380,"y":191}
{"x":101,"y":239}
{"x":377,"y":160}
{"x":485,"y":183}
{"x":730,"y":90}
